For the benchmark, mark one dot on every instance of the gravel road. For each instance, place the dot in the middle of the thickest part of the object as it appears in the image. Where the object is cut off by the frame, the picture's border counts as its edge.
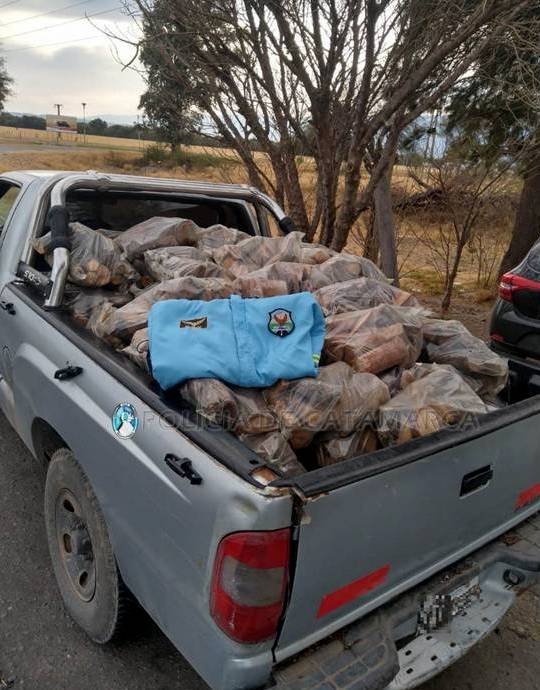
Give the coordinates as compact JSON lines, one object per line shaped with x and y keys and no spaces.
{"x":41,"y":649}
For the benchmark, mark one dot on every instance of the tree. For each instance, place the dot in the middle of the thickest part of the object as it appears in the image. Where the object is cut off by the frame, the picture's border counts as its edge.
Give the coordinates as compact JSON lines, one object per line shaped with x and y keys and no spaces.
{"x":350,"y":73}
{"x":97,"y":126}
{"x":498,"y":108}
{"x":168,"y":99}
{"x":5,"y":83}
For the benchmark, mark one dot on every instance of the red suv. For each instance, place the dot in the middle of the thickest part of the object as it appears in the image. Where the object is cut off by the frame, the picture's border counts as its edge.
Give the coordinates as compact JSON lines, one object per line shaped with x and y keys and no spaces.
{"x":515,"y":323}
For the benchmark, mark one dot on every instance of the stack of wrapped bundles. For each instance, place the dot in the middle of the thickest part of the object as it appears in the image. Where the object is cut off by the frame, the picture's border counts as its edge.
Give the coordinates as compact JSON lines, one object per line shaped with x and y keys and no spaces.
{"x":389,"y":373}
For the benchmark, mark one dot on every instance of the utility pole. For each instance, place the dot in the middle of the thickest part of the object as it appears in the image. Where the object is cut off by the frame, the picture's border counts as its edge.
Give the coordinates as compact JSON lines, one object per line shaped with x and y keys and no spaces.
{"x":58,"y":134}
{"x":84,"y":120}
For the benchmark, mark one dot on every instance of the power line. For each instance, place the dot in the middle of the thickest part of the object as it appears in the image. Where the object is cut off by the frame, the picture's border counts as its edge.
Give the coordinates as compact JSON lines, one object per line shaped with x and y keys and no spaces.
{"x":53,"y":26}
{"x":45,"y":14}
{"x":47,"y":45}
{"x":11,"y":2}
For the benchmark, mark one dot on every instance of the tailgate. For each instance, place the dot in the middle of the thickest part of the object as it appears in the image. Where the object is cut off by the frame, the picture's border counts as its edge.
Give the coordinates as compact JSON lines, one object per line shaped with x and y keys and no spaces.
{"x":369,"y":540}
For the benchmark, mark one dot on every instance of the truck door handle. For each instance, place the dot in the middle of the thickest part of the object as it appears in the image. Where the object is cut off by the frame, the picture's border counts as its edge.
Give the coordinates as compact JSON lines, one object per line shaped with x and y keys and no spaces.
{"x":8,"y":306}
{"x":476,"y":480}
{"x":69,"y":372}
{"x":184,"y":468}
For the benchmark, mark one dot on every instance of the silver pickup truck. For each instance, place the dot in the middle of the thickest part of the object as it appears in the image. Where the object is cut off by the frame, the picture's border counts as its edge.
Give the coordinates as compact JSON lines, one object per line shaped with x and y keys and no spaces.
{"x":378,"y":572}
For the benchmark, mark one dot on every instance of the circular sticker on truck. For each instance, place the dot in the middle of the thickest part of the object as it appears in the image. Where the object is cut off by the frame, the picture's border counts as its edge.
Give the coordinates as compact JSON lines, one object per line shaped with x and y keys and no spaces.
{"x":125,"y":421}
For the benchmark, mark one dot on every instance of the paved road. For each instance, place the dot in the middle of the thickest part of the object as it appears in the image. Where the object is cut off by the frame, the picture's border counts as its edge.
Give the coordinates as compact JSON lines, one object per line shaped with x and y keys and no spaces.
{"x":41,"y":649}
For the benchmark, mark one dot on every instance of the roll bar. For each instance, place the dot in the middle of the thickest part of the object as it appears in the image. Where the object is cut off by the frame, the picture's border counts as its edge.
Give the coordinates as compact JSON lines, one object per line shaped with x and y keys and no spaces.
{"x":103,"y":182}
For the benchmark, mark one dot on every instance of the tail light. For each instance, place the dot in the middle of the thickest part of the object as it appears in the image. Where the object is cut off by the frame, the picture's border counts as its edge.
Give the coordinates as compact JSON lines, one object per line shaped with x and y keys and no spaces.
{"x":249,"y":584}
{"x":511,"y":283}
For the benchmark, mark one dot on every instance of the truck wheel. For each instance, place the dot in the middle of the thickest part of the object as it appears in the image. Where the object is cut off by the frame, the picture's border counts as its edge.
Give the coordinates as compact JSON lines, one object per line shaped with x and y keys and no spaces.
{"x":81,"y":552}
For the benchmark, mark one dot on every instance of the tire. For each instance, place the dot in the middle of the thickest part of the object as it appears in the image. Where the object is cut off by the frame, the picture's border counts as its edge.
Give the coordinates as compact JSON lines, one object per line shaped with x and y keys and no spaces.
{"x":81,"y":552}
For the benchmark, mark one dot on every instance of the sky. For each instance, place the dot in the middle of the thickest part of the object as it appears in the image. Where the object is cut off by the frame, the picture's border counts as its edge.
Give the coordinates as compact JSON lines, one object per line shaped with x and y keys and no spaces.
{"x":80,"y":66}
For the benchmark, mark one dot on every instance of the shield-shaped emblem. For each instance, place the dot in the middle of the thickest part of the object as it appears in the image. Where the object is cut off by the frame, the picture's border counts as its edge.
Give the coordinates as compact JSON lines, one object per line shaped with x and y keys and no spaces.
{"x":281,"y":322}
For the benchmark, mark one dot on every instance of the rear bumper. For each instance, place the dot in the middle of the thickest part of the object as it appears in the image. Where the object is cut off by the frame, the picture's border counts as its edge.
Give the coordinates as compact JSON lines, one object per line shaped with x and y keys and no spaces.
{"x":388,"y":649}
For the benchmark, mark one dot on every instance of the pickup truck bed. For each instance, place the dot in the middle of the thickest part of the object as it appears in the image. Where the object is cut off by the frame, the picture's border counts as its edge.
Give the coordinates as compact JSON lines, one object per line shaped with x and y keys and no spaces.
{"x":367,"y":536}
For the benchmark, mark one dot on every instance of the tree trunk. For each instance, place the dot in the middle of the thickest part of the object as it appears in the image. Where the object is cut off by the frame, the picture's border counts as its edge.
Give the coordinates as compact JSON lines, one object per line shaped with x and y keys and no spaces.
{"x":385,"y":228}
{"x":527,"y":225}
{"x":449,"y":287}
{"x":371,"y":244}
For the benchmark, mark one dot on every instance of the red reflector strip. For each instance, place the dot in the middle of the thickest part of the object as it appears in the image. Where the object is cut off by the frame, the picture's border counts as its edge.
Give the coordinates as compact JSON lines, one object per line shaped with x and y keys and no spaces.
{"x":497,"y":338}
{"x":528,"y":496}
{"x":354,"y":590}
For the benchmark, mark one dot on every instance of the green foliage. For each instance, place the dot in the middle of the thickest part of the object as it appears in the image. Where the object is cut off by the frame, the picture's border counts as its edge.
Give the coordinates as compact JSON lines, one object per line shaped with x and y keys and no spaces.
{"x":164,"y":156}
{"x":168,"y":100}
{"x":22,"y":121}
{"x":5,"y":83}
{"x":494,"y":113}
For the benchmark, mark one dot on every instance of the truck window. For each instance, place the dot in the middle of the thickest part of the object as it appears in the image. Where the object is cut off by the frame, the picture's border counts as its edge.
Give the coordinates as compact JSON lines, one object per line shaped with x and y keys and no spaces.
{"x":115,"y":210}
{"x":8,"y":195}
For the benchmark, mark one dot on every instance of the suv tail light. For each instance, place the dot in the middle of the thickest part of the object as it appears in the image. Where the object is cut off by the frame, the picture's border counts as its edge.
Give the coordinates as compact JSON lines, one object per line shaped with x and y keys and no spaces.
{"x":511,"y":283}
{"x":249,"y":584}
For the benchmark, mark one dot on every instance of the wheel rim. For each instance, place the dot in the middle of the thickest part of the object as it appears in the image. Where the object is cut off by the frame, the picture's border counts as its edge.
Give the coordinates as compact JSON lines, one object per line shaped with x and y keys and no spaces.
{"x":75,"y":546}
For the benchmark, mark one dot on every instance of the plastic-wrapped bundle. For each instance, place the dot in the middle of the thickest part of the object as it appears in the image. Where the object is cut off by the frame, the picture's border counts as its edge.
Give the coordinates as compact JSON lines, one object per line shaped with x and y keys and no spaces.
{"x":211,"y":399}
{"x":274,"y":449}
{"x":84,"y":302}
{"x":303,"y":407}
{"x":174,"y":262}
{"x":248,"y":286}
{"x":254,"y":416}
{"x":255,"y":252}
{"x":422,"y":369}
{"x":95,"y":260}
{"x":348,"y":266}
{"x":137,"y":350}
{"x":111,"y":234}
{"x":331,"y":449}
{"x":122,"y":323}
{"x":361,"y":293}
{"x":437,"y":400}
{"x":297,"y":277}
{"x":376,"y":339}
{"x":399,"y":378}
{"x":360,"y":397}
{"x":217,"y":235}
{"x":156,"y":232}
{"x":449,"y":342}
{"x":316,"y":253}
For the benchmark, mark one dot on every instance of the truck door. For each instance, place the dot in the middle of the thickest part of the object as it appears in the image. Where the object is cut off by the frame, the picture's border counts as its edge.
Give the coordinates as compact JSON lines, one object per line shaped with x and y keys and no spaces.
{"x":9,"y":194}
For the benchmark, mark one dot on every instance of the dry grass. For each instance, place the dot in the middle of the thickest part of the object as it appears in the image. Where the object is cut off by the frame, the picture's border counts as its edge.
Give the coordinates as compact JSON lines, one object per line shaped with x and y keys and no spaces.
{"x":38,"y":136}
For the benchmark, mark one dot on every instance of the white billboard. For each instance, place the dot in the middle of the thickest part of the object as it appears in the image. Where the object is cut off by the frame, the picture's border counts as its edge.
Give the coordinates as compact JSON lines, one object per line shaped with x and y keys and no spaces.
{"x":61,"y":123}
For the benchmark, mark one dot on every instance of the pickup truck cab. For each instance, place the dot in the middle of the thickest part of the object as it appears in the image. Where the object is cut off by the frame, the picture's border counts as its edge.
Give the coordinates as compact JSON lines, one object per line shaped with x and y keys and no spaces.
{"x":377,"y":572}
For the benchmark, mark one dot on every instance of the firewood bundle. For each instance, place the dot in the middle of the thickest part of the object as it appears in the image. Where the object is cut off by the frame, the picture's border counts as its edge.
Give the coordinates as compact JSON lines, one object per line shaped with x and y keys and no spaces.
{"x":177,"y":262}
{"x":449,"y":342}
{"x":157,"y":232}
{"x":435,"y":401}
{"x":255,"y":252}
{"x":95,"y":261}
{"x":374,"y":340}
{"x":361,"y":293}
{"x":137,"y":350}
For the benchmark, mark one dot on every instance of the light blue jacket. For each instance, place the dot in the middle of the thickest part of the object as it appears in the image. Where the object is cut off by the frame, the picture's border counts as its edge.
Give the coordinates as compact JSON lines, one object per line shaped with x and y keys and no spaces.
{"x":247,"y":342}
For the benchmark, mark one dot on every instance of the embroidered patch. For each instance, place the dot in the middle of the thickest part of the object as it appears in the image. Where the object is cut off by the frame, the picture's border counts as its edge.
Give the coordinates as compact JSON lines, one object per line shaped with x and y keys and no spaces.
{"x":202,"y":322}
{"x":281,"y":322}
